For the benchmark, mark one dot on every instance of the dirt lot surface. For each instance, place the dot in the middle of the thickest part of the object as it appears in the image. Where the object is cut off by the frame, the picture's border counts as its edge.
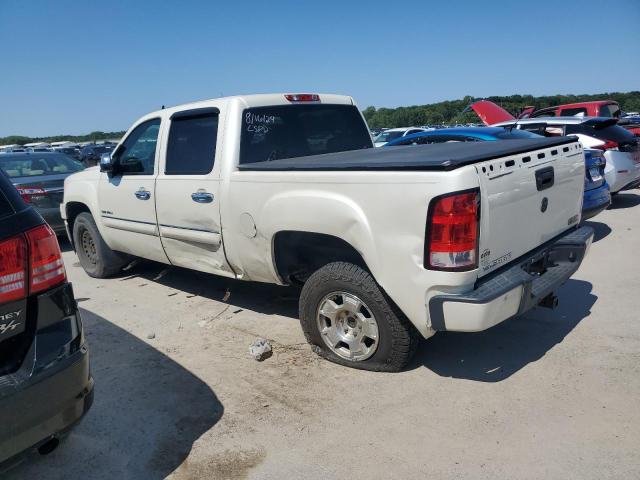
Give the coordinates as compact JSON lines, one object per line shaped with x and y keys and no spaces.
{"x":552,"y":394}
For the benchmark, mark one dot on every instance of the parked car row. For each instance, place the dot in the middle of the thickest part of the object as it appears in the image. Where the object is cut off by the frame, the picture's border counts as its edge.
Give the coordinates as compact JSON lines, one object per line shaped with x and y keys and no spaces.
{"x":88,"y":154}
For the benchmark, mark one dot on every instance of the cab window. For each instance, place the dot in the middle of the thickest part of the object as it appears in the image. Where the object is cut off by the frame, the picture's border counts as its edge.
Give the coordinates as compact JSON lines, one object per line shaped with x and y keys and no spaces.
{"x":191,"y":148}
{"x":137,"y":154}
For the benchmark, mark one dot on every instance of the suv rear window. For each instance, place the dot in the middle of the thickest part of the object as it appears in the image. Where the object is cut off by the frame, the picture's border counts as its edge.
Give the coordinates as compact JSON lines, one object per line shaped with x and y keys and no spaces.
{"x":614,"y":133}
{"x":288,"y":131}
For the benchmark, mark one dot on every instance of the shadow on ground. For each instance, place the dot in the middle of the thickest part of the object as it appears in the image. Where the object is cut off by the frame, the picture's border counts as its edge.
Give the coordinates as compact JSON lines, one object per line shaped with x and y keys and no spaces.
{"x":601,"y":230}
{"x":624,"y":200}
{"x":264,"y":298}
{"x":148,"y":412}
{"x":498,"y":353}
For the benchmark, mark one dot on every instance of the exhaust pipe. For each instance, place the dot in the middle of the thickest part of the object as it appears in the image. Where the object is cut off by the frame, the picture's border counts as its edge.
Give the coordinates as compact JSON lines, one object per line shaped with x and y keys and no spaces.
{"x":49,"y":446}
{"x":550,"y":301}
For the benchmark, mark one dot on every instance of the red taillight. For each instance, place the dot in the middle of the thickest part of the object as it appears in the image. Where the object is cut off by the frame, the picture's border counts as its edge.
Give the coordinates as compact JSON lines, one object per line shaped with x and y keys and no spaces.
{"x":30,"y":193}
{"x":302,"y":97}
{"x":13,"y":269}
{"x":452,"y":233}
{"x":608,"y":145}
{"x":45,"y":259}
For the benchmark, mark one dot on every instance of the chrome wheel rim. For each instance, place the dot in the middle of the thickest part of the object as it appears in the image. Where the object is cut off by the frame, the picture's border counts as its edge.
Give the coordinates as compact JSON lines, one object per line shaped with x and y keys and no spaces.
{"x":347,"y":326}
{"x":89,"y":247}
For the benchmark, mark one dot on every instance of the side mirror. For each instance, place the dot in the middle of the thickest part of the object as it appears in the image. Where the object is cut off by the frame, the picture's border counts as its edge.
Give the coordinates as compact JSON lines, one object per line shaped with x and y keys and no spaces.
{"x":106,"y":162}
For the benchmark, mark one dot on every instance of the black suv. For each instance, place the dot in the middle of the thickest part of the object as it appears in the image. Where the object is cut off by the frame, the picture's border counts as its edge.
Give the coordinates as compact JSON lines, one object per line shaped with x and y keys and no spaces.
{"x":45,"y":382}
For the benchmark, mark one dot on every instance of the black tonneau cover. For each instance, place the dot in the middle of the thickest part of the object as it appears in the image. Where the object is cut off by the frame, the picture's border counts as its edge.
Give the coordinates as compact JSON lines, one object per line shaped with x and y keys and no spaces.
{"x":441,"y":156}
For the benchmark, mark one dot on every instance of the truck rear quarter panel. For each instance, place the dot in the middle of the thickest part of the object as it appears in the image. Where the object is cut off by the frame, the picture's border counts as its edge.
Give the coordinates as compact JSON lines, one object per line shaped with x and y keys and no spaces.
{"x":381,"y":214}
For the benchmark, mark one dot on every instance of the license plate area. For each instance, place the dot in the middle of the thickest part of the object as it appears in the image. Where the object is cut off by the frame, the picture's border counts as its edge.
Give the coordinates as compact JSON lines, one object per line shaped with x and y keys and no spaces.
{"x":594,"y":173}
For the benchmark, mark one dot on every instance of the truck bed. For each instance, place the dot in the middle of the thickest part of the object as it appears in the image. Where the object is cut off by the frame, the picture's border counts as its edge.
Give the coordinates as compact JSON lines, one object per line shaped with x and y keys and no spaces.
{"x":436,"y":157}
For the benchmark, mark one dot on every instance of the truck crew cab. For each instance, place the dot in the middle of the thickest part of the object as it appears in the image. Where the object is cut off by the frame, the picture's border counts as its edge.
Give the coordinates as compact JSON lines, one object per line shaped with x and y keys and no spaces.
{"x":387,"y":244}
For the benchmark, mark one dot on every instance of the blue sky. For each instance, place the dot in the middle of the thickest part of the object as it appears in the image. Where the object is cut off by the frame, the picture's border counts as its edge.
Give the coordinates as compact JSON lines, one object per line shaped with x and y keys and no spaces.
{"x":78,"y":66}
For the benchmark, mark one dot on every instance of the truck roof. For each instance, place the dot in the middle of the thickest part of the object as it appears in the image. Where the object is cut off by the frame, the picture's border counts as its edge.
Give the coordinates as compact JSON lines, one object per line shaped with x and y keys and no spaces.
{"x":442,"y":156}
{"x":255,"y":100}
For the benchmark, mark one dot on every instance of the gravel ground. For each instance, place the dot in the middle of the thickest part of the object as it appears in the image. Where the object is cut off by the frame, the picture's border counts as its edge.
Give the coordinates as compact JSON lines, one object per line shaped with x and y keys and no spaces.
{"x":552,"y":394}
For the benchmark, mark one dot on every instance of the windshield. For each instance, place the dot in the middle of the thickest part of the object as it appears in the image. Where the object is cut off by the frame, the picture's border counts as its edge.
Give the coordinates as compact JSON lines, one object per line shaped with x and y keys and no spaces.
{"x":516,"y":134}
{"x":288,"y":131}
{"x":36,"y":165}
{"x":388,"y":136}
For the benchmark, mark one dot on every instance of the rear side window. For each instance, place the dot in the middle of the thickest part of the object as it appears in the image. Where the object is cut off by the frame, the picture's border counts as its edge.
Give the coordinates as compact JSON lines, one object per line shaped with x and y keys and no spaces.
{"x":537,"y":128}
{"x":544,"y":113}
{"x":191,"y":149}
{"x":609,"y":110}
{"x":515,"y":134}
{"x":287,"y":131}
{"x":570,"y":112}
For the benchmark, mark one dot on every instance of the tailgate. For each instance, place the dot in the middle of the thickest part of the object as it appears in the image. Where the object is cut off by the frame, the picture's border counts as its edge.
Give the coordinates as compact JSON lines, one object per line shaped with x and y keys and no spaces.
{"x":526,"y":200}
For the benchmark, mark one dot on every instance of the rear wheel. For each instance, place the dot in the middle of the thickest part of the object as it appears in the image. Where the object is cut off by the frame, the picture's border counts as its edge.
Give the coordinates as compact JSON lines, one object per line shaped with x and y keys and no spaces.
{"x":350,"y":321}
{"x":95,"y":256}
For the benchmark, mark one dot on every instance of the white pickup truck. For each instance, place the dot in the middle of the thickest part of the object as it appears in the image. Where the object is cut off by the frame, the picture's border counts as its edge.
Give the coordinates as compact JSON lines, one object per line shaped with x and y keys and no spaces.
{"x":386,"y":243}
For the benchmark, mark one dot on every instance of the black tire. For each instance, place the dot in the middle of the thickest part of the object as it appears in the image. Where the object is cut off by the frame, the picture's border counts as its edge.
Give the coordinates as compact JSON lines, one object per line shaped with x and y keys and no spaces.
{"x":95,"y":256}
{"x":397,"y":337}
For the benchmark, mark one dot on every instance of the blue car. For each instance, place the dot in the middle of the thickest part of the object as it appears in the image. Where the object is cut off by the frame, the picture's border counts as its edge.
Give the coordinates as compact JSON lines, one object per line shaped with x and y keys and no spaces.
{"x":596,"y":189}
{"x":463,"y":134}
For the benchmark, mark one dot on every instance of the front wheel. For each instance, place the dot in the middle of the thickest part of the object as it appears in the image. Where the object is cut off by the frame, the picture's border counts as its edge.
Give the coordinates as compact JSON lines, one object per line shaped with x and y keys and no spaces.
{"x":350,"y":321}
{"x":96,"y":258}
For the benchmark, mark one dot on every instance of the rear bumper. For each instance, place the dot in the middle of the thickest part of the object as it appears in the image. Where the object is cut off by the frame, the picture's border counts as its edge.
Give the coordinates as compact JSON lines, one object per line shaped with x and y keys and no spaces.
{"x":44,"y":408}
{"x":52,"y":388}
{"x":513,"y":290}
{"x":595,"y":201}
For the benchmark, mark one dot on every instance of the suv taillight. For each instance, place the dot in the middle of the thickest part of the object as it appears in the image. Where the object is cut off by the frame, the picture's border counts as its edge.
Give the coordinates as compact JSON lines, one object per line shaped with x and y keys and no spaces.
{"x":607,"y":145}
{"x":453,"y":228}
{"x":13,"y":269}
{"x":34,"y":255}
{"x":45,"y":259}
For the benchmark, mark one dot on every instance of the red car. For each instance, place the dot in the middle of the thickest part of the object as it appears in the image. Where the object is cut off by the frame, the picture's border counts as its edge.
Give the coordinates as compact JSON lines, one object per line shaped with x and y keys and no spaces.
{"x":490,"y":113}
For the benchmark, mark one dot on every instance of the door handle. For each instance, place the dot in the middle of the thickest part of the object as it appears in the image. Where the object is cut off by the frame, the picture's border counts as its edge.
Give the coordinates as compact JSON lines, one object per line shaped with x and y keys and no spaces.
{"x":142,"y":194}
{"x":202,"y":197}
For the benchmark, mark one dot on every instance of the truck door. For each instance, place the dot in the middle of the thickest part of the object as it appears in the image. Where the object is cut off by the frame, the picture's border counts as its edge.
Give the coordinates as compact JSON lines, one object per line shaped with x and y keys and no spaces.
{"x":187,"y":193}
{"x":126,"y":196}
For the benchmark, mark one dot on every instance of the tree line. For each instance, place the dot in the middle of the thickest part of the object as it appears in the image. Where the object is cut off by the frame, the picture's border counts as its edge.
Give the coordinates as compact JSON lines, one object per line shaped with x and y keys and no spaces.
{"x":447,"y":112}
{"x":90,"y":137}
{"x":451,"y":111}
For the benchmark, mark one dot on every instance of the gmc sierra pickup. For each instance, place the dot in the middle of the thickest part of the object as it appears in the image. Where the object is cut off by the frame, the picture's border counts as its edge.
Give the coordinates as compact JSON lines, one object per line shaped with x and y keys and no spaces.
{"x":386,"y":244}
